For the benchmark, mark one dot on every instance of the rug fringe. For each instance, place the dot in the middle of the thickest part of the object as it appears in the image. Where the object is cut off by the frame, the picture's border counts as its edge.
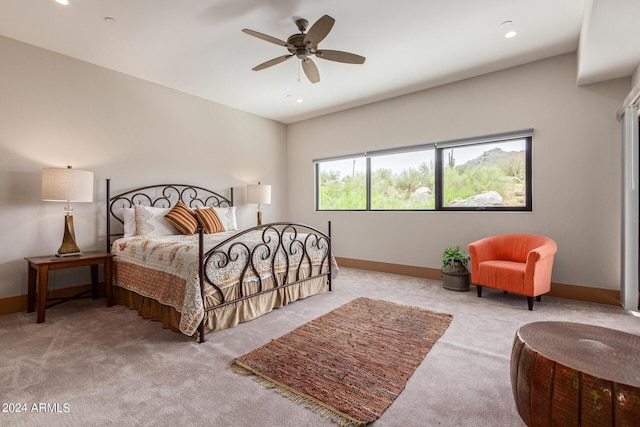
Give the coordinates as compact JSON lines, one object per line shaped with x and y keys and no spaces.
{"x":319,"y":408}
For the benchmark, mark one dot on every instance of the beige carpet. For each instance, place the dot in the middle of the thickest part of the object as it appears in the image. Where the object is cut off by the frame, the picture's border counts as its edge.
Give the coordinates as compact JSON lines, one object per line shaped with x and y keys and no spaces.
{"x":111,"y":367}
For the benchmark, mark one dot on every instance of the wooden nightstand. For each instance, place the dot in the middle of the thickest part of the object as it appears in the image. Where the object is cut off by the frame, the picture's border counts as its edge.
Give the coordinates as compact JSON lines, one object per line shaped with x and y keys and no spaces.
{"x":40,"y":266}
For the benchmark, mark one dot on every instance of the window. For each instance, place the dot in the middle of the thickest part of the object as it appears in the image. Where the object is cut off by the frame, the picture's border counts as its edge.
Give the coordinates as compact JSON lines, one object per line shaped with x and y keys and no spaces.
{"x":488,"y":173}
{"x":342,"y":184}
{"x":403,"y":180}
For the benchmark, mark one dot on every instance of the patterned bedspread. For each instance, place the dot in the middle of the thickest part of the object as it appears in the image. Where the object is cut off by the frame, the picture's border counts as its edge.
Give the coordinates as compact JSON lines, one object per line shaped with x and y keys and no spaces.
{"x":165,"y":268}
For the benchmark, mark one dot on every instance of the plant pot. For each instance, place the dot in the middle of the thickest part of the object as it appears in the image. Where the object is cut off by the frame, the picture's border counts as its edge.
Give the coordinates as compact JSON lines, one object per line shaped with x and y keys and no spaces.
{"x":455,"y":277}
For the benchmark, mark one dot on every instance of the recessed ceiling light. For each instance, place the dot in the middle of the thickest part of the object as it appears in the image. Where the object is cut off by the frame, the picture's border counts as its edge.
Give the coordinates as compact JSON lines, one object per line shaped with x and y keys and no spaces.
{"x":509,"y":29}
{"x":298,"y":100}
{"x":64,"y":2}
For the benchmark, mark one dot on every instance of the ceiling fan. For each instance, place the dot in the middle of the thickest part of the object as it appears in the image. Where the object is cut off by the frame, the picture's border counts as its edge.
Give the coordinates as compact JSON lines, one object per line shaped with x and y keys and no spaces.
{"x":304,"y":46}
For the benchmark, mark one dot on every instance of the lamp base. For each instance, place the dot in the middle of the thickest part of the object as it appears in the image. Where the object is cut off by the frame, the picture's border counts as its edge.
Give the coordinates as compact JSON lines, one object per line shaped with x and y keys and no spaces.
{"x":68,"y":246}
{"x":259,"y":218}
{"x":70,"y":254}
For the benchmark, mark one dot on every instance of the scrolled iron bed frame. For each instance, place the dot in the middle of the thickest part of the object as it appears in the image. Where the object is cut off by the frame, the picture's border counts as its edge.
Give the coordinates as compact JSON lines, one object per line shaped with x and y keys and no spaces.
{"x":165,"y":195}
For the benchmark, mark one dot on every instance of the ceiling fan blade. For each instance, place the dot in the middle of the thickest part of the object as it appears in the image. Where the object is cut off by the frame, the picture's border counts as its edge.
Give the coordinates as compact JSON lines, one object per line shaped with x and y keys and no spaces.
{"x":310,"y":70}
{"x":271,"y":62}
{"x":319,"y":30}
{"x":266,"y":37}
{"x":339,"y":56}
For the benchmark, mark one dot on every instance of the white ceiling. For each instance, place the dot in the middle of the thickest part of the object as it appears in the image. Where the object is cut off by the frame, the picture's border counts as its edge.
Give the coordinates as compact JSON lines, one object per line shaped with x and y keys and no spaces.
{"x":197,"y":47}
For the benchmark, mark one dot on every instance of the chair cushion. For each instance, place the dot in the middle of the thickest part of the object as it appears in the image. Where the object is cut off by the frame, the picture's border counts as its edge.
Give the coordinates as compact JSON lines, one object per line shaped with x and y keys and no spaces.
{"x":505,"y":275}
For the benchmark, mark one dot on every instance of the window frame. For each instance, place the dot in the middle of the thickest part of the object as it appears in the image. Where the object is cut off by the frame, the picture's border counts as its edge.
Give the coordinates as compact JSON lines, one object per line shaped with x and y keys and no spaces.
{"x":439,"y":148}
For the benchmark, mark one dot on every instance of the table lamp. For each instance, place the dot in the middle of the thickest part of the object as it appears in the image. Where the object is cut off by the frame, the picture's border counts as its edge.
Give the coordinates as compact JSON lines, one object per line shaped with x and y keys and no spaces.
{"x":260,"y":194}
{"x":67,"y":185}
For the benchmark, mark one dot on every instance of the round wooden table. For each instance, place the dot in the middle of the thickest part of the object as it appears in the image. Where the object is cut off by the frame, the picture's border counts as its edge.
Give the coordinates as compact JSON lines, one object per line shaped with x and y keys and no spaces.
{"x":572,"y":374}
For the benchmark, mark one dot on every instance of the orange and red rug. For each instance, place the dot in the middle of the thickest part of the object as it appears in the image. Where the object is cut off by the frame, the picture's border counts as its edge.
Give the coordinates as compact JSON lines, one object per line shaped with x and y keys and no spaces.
{"x":351,"y":363}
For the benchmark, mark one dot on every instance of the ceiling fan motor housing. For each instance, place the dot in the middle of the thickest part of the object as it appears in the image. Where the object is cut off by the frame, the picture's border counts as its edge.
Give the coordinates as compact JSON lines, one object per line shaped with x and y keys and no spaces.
{"x":297,"y":46}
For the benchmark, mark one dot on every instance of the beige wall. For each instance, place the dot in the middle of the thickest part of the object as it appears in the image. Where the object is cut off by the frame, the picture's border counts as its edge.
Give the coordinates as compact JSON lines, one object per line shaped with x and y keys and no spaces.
{"x":576,"y":167}
{"x":57,"y":111}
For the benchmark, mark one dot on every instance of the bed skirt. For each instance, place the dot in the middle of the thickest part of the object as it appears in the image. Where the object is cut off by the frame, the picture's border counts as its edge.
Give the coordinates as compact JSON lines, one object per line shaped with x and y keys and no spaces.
{"x":223,"y":317}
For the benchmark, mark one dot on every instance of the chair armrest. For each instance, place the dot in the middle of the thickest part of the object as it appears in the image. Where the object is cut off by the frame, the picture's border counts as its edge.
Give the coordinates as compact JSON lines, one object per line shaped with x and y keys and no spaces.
{"x":479,"y":251}
{"x":541,"y":252}
{"x":540,"y":263}
{"x":482,"y":250}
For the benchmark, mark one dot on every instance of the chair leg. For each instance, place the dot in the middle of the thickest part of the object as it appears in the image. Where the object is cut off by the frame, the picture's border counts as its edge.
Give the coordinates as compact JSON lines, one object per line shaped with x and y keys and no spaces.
{"x":479,"y":290}
{"x":539,"y":298}
{"x":504,"y":292}
{"x":530,"y":302}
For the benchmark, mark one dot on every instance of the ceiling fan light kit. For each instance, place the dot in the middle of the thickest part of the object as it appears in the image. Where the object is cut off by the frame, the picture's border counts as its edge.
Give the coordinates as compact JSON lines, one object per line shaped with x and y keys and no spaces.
{"x":305,"y":45}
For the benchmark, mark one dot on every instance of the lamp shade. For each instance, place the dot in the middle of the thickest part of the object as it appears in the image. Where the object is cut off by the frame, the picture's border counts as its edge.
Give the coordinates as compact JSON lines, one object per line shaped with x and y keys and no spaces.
{"x":260,"y":194}
{"x":67,"y":185}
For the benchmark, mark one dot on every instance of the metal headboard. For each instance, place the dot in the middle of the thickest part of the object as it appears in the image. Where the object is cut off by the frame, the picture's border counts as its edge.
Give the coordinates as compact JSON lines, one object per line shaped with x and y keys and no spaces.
{"x":161,"y":196}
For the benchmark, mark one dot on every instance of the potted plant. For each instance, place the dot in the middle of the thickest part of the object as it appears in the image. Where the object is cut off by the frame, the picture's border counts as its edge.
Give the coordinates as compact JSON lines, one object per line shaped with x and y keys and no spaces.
{"x":455,"y":275}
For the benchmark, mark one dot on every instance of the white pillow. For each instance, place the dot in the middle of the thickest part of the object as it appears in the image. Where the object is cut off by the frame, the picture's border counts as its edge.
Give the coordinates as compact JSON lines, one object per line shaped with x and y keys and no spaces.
{"x":150,"y":222}
{"x":129,"y":217}
{"x":227,"y":216}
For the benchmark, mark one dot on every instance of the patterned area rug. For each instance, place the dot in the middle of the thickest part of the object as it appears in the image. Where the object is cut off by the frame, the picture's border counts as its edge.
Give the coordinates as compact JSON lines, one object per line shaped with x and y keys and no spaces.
{"x":351,"y":363}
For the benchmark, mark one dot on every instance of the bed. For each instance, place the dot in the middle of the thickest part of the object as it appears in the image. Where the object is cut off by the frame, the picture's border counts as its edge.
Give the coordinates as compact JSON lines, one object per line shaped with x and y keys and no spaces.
{"x":214,"y":275}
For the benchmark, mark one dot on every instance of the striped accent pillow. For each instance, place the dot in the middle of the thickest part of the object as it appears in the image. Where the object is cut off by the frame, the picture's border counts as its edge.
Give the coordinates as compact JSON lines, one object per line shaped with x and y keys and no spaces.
{"x":182,"y":218}
{"x":209,"y":220}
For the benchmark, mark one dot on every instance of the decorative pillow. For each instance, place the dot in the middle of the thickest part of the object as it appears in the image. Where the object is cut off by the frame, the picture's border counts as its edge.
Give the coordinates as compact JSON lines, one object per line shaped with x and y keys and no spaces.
{"x":209,"y":221}
{"x":129,"y":218}
{"x":182,"y":218}
{"x":227,"y":217}
{"x":150,"y":222}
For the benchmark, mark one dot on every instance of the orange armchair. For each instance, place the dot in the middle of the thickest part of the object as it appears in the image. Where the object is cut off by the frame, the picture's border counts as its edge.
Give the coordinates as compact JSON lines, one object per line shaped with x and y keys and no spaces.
{"x":518,"y":263}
